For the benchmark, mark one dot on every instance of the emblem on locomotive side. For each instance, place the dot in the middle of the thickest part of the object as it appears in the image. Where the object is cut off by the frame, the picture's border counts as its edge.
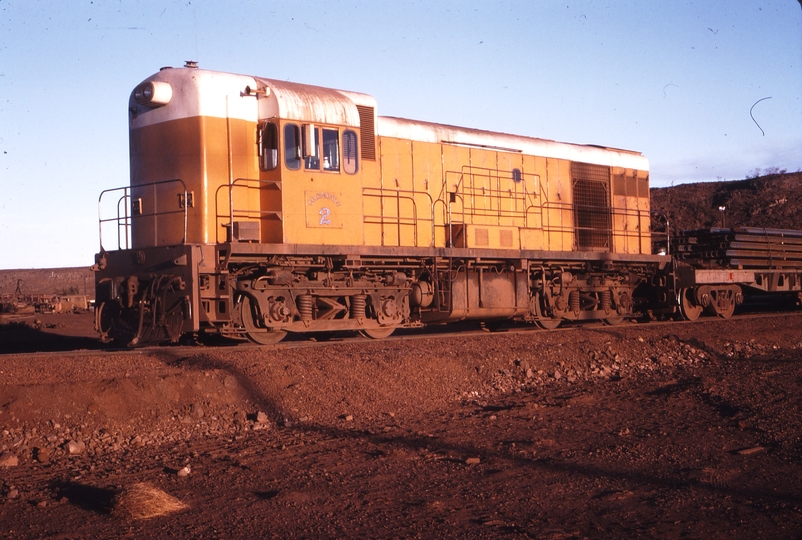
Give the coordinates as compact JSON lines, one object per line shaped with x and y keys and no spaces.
{"x":322,"y":209}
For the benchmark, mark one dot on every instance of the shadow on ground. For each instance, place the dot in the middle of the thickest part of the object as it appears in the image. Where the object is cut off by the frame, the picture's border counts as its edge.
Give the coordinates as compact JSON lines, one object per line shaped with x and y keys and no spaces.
{"x":26,"y":337}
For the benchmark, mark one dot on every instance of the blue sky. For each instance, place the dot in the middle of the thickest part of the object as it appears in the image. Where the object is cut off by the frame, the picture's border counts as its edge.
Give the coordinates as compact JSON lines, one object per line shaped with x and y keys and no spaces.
{"x":674,"y":80}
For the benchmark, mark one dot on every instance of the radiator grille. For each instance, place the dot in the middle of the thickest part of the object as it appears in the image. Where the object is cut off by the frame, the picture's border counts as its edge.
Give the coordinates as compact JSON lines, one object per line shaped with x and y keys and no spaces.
{"x":592,"y":206}
{"x":367,"y":132}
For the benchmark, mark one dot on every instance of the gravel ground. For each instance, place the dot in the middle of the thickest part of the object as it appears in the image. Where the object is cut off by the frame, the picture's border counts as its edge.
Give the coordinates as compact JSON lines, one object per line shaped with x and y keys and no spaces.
{"x":670,"y":430}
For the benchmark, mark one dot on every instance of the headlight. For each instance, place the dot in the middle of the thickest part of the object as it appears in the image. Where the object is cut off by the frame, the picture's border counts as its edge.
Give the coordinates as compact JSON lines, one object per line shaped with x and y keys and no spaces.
{"x":153,"y":93}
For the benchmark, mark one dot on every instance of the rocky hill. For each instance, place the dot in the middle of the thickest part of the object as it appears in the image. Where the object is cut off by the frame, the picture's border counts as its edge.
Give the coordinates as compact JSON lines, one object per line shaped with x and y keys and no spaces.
{"x":773,"y":201}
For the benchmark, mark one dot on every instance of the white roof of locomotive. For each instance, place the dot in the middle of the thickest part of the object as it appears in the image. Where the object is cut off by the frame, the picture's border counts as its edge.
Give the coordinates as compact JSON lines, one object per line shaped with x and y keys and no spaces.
{"x":218,"y":94}
{"x":305,"y":102}
{"x":431,"y":132}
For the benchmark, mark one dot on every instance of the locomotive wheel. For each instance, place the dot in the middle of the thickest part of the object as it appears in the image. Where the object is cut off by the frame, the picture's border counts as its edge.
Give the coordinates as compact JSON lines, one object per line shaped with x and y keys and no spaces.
{"x":114,"y":325}
{"x":266,"y":337}
{"x":378,"y":333}
{"x":548,"y":324}
{"x":261,"y":336}
{"x":613,"y":321}
{"x":687,"y":305}
{"x":544,"y":322}
{"x":105,"y":315}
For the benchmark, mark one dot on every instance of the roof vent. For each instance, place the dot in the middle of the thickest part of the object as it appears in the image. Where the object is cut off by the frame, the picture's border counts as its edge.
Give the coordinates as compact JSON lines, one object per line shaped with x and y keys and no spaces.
{"x":190,"y":64}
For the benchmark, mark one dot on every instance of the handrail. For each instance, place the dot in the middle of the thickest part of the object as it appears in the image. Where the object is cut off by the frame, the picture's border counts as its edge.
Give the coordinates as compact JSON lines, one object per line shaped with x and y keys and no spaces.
{"x":398,"y":220}
{"x":237,"y":212}
{"x":661,"y":216}
{"x":520,"y":196}
{"x":612,"y":212}
{"x":478,"y":193}
{"x":125,"y":215}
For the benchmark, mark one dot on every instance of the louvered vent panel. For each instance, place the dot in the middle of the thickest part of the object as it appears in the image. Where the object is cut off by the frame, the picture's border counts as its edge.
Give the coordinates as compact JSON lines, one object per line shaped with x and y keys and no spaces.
{"x":592,"y":206}
{"x":367,"y":132}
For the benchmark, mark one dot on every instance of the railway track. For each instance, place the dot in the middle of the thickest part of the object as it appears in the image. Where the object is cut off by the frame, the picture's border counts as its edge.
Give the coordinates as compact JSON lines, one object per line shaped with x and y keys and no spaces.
{"x":451,"y":331}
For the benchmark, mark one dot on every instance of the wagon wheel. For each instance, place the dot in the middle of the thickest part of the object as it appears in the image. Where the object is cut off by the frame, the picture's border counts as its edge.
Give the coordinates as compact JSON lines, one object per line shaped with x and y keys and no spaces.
{"x":726,"y":311}
{"x":543,"y":321}
{"x":378,"y":333}
{"x":262,"y":336}
{"x":688,"y":307}
{"x":613,"y":321}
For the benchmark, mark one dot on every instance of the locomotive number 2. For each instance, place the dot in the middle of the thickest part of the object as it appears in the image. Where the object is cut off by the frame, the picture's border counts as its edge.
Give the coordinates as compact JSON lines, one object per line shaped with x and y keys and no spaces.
{"x":324,"y":216}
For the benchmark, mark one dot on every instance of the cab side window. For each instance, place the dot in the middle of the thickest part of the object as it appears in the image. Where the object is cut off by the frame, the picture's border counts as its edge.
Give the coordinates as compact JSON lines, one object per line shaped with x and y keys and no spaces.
{"x":331,"y":150}
{"x":320,"y":145}
{"x":349,"y":152}
{"x":292,"y":147}
{"x":268,"y":146}
{"x":311,"y":147}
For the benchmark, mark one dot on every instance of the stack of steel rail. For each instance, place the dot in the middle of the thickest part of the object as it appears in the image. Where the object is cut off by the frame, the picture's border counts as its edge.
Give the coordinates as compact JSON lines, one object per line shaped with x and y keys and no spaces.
{"x":741,"y":247}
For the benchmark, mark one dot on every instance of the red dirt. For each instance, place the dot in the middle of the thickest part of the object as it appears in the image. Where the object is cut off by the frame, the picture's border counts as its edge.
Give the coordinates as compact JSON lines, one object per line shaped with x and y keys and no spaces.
{"x":670,"y":430}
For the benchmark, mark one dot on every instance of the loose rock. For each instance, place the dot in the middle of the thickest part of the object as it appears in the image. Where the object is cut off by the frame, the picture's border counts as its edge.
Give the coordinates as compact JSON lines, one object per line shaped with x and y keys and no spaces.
{"x":75,"y":447}
{"x":42,"y":455}
{"x":8,"y":459}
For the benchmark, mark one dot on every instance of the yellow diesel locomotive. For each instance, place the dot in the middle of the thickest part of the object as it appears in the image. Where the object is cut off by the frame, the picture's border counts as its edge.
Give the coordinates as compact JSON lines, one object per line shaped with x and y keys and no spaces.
{"x":258,"y":207}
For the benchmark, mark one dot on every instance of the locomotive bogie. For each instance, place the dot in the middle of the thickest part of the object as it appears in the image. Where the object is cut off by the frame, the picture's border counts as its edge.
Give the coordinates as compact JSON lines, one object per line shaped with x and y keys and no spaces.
{"x":147,"y":295}
{"x":322,"y":304}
